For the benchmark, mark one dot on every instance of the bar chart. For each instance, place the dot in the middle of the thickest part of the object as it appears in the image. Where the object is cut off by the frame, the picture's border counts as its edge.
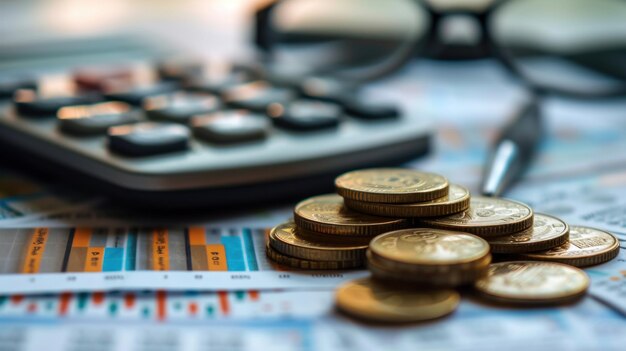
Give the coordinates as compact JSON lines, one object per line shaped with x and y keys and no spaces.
{"x":48,"y":250}
{"x":161,"y":306}
{"x":36,"y":260}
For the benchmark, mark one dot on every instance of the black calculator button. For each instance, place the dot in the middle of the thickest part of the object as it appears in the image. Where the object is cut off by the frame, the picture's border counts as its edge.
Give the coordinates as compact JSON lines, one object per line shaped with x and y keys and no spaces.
{"x":134,"y":94}
{"x":362,"y":109}
{"x":95,"y":119}
{"x":180,"y":106}
{"x":305,"y":115}
{"x":8,"y":86}
{"x":325,"y":89}
{"x":100,"y":78}
{"x":180,"y":70}
{"x":257,"y":96}
{"x":218,"y":84}
{"x":148,"y":138}
{"x":231,"y":127}
{"x":28,"y":103}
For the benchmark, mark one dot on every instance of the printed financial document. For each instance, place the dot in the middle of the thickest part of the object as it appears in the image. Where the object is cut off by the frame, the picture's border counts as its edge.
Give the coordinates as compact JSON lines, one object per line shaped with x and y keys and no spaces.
{"x":580,"y":176}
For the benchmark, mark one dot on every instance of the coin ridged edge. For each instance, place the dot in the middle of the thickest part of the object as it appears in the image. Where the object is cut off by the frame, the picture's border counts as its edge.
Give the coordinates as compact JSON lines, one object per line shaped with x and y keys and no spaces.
{"x":309,"y":264}
{"x":546,"y":302}
{"x":398,"y":210}
{"x":313,"y":254}
{"x":392,"y":198}
{"x":450,"y":279}
{"x":429,"y":312}
{"x":366,"y":230}
{"x":486,"y":231}
{"x":529,"y":247}
{"x":576,"y":261}
{"x":427,"y":269}
{"x":332,"y":238}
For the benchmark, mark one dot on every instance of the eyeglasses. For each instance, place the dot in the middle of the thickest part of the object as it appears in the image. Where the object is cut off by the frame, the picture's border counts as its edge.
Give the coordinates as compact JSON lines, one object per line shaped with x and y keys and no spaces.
{"x":571,"y":47}
{"x":575,"y":48}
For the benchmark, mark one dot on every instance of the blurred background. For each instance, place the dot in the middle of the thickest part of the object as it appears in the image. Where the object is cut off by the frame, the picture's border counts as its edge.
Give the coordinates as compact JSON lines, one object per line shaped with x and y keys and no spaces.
{"x":442,"y":29}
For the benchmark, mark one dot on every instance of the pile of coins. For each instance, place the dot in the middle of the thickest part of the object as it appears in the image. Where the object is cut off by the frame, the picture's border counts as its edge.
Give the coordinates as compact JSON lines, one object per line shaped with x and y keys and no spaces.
{"x":421,"y":237}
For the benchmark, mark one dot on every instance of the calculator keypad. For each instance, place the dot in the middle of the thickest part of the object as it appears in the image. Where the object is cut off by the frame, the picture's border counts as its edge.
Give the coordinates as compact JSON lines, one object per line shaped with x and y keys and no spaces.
{"x":148,"y":138}
{"x":359,"y":108}
{"x":95,"y":119}
{"x":29,"y":103}
{"x":305,"y":115}
{"x":180,"y":106}
{"x":151,"y":111}
{"x":229,"y":127}
{"x":135,"y":94}
{"x":9,"y":85}
{"x":257,"y":96}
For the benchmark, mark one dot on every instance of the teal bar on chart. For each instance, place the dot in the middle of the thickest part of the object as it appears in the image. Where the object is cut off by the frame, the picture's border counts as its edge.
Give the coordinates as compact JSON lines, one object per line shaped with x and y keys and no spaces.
{"x":113,"y":259}
{"x":250,"y":254}
{"x":234,"y":253}
{"x":131,"y":250}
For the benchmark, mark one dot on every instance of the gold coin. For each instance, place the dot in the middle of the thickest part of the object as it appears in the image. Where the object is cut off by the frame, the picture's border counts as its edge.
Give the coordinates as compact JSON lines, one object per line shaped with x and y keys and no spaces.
{"x":310,"y":264}
{"x":372,"y":300}
{"x":487,"y":217}
{"x":284,"y":238}
{"x":532,"y":282}
{"x":426,"y":246}
{"x":327,"y":214}
{"x":547,"y":232}
{"x":587,"y":246}
{"x":457,"y":200}
{"x":391,"y":185}
{"x":330,"y":239}
{"x":440,"y":276}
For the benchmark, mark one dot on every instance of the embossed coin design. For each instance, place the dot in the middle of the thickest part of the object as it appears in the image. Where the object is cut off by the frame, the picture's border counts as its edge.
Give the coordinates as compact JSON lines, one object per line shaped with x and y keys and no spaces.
{"x":457,"y":200}
{"x":532,"y":282}
{"x":368,"y":299}
{"x":487,"y":217}
{"x":586,"y":246}
{"x":407,"y":248}
{"x":284,"y":238}
{"x":327,"y":214}
{"x":391,"y":185}
{"x":547,"y":232}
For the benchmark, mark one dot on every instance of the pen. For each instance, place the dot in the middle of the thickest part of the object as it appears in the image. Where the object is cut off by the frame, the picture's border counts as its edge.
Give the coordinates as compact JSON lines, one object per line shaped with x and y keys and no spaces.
{"x":513,"y":150}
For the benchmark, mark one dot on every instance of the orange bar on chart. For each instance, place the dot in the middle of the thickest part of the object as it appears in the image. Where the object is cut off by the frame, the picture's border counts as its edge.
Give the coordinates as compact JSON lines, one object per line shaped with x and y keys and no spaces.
{"x":94,"y":259}
{"x":254,"y":295}
{"x":196,"y":236}
{"x":216,"y":256}
{"x":161,"y":305}
{"x":160,"y":250}
{"x":64,"y":303}
{"x":78,"y":254}
{"x":129,"y":300}
{"x":97,"y":298}
{"x":35,"y":250}
{"x":82,"y":236}
{"x":224,"y":305}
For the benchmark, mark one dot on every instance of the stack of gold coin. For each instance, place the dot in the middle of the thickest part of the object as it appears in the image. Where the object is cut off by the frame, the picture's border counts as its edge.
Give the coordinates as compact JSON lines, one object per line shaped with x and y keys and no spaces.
{"x":420,"y":237}
{"x":326,"y":235}
{"x":425,"y":256}
{"x":404,"y":193}
{"x":515,"y":232}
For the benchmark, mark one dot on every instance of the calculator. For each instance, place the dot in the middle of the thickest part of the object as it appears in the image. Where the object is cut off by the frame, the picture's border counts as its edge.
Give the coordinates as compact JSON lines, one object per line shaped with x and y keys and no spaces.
{"x":170,"y":132}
